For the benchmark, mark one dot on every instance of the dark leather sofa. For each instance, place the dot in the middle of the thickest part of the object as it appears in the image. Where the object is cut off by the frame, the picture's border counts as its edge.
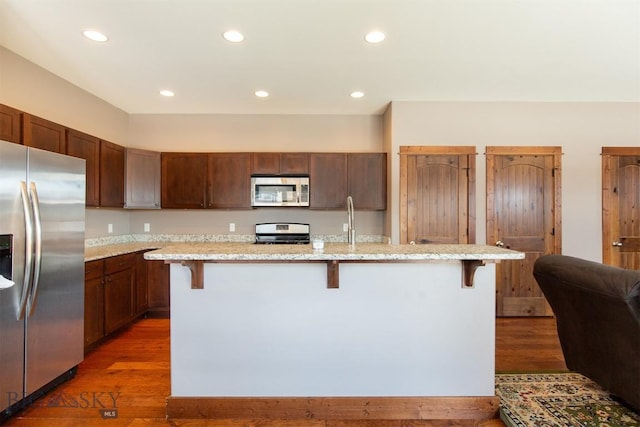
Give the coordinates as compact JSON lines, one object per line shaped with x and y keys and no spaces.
{"x":597,"y":309}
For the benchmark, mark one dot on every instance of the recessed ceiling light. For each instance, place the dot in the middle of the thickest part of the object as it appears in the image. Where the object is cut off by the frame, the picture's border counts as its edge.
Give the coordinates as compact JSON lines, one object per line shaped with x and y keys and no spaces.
{"x":261,"y":93}
{"x":167,"y":93}
{"x":94,"y":35}
{"x":233,"y":36}
{"x":374,"y":37}
{"x":357,"y":94}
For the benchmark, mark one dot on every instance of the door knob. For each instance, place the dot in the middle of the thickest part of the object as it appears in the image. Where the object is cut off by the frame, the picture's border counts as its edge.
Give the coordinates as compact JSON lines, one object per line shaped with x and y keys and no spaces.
{"x":500,"y":244}
{"x":617,"y":243}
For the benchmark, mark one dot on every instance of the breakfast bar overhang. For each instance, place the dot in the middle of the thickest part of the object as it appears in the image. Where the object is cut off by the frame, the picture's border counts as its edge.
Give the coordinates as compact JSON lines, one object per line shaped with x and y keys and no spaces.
{"x":370,"y":331}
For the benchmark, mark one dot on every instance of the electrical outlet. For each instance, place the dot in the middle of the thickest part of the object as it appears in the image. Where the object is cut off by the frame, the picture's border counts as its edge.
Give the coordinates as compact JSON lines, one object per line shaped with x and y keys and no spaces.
{"x":147,"y":227}
{"x":232,"y":227}
{"x":345,"y":227}
{"x":109,"y":228}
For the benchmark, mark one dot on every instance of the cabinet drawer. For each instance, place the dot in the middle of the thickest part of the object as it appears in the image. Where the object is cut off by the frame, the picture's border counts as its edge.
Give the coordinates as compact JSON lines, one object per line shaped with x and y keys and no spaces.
{"x":93,"y":269}
{"x":119,"y":263}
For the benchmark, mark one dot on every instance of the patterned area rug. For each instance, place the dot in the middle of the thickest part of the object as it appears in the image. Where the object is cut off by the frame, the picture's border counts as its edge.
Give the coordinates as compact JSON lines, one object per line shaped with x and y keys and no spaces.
{"x":558,"y":399}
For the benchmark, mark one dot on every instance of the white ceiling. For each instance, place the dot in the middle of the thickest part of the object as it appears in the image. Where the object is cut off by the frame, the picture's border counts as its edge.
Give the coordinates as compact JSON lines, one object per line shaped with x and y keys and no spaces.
{"x":310,"y":54}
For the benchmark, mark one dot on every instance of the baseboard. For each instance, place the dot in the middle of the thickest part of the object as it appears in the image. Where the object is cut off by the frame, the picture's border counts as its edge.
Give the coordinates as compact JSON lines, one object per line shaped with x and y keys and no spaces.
{"x":335,"y":408}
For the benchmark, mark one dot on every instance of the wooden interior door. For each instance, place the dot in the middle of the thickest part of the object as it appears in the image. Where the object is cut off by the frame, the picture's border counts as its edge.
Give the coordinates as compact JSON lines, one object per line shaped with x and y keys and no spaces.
{"x":620,"y":202}
{"x":523,"y":214}
{"x":437,"y":194}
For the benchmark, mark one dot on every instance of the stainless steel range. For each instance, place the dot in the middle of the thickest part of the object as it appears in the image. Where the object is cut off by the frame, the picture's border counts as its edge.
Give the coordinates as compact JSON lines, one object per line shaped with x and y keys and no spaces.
{"x":282,"y":233}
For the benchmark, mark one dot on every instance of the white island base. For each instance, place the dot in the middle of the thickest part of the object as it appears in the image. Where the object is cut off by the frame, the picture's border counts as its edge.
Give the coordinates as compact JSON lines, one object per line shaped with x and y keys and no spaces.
{"x":395,"y":340}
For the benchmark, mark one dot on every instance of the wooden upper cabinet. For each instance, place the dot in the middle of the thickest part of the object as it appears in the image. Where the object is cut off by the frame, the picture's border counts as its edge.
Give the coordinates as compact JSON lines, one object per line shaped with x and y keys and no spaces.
{"x":229,"y":181}
{"x":367,"y":180}
{"x":280,"y":164}
{"x":328,"y":180}
{"x":87,"y":147}
{"x":294,"y":163}
{"x":184,"y":180}
{"x":10,"y":124}
{"x":111,"y":174}
{"x":265,"y":164}
{"x":142,"y":179}
{"x":43,"y":134}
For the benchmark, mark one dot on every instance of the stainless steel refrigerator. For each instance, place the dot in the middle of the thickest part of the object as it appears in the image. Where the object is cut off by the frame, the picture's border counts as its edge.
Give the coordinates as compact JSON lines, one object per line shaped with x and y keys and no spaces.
{"x":42,"y":215}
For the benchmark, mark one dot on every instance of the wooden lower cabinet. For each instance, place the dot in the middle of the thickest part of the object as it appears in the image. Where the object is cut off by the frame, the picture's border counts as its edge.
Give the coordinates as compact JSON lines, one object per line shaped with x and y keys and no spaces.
{"x":118,"y":301}
{"x":141,"y":302}
{"x":93,"y":302}
{"x":158,"y":291}
{"x":118,"y":289}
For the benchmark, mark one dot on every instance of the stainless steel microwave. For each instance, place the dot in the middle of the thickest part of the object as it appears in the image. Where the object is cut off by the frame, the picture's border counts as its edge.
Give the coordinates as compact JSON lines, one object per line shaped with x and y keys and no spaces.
{"x":279,"y":191}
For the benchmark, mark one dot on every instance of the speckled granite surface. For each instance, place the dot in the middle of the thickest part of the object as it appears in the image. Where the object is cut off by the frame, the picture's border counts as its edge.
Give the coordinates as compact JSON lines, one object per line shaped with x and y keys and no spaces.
{"x":332,"y":251}
{"x":104,"y":247}
{"x":93,"y":253}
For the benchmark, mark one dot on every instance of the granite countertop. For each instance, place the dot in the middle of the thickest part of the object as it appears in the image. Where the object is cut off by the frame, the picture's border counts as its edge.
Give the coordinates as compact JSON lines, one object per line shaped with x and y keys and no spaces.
{"x":105,"y":251}
{"x":332,"y":251}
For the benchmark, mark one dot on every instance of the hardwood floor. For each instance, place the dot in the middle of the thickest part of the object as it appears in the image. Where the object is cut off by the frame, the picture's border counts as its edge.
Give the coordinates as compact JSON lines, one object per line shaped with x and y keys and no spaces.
{"x":130,"y":372}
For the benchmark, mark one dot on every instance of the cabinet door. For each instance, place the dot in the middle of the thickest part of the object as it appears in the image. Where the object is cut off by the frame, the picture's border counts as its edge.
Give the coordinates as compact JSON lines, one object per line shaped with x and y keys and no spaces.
{"x":141,"y":303}
{"x":367,"y":180}
{"x":118,"y":299}
{"x":229,"y":181}
{"x":10,"y":126}
{"x":93,"y":302}
{"x":142,"y":179}
{"x":87,"y":147}
{"x":184,"y":180}
{"x":265,"y":164}
{"x":280,"y":164}
{"x":111,"y":175}
{"x":119,"y":291}
{"x":158,"y":283}
{"x":294,"y":163}
{"x":328,"y":180}
{"x":43,"y":134}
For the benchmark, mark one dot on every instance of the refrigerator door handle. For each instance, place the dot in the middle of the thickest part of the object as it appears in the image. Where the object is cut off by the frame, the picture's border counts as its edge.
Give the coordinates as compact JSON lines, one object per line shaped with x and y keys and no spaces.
{"x":28,"y":255}
{"x":37,"y":242}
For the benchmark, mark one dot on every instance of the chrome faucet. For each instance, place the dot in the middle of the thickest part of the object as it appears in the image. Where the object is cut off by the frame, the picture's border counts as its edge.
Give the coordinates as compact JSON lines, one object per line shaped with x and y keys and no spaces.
{"x":351,"y":222}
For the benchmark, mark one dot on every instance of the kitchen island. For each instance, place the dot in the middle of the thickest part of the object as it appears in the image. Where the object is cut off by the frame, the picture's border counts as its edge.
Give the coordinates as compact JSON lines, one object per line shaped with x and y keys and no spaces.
{"x":368,"y":332}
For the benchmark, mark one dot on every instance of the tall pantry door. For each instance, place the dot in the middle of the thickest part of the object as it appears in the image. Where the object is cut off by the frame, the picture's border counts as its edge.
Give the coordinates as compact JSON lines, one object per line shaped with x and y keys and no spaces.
{"x":523,"y":214}
{"x":621,"y":207}
{"x":437,"y":194}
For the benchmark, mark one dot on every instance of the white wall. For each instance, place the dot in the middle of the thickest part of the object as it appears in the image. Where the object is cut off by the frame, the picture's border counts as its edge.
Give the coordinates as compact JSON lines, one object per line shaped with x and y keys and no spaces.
{"x":27,"y":87}
{"x":581,"y":129}
{"x":235,"y":132}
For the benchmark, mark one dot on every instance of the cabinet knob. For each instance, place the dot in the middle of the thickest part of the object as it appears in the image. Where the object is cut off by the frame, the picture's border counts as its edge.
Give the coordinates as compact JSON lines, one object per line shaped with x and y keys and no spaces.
{"x":617,"y":243}
{"x":500,"y":244}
